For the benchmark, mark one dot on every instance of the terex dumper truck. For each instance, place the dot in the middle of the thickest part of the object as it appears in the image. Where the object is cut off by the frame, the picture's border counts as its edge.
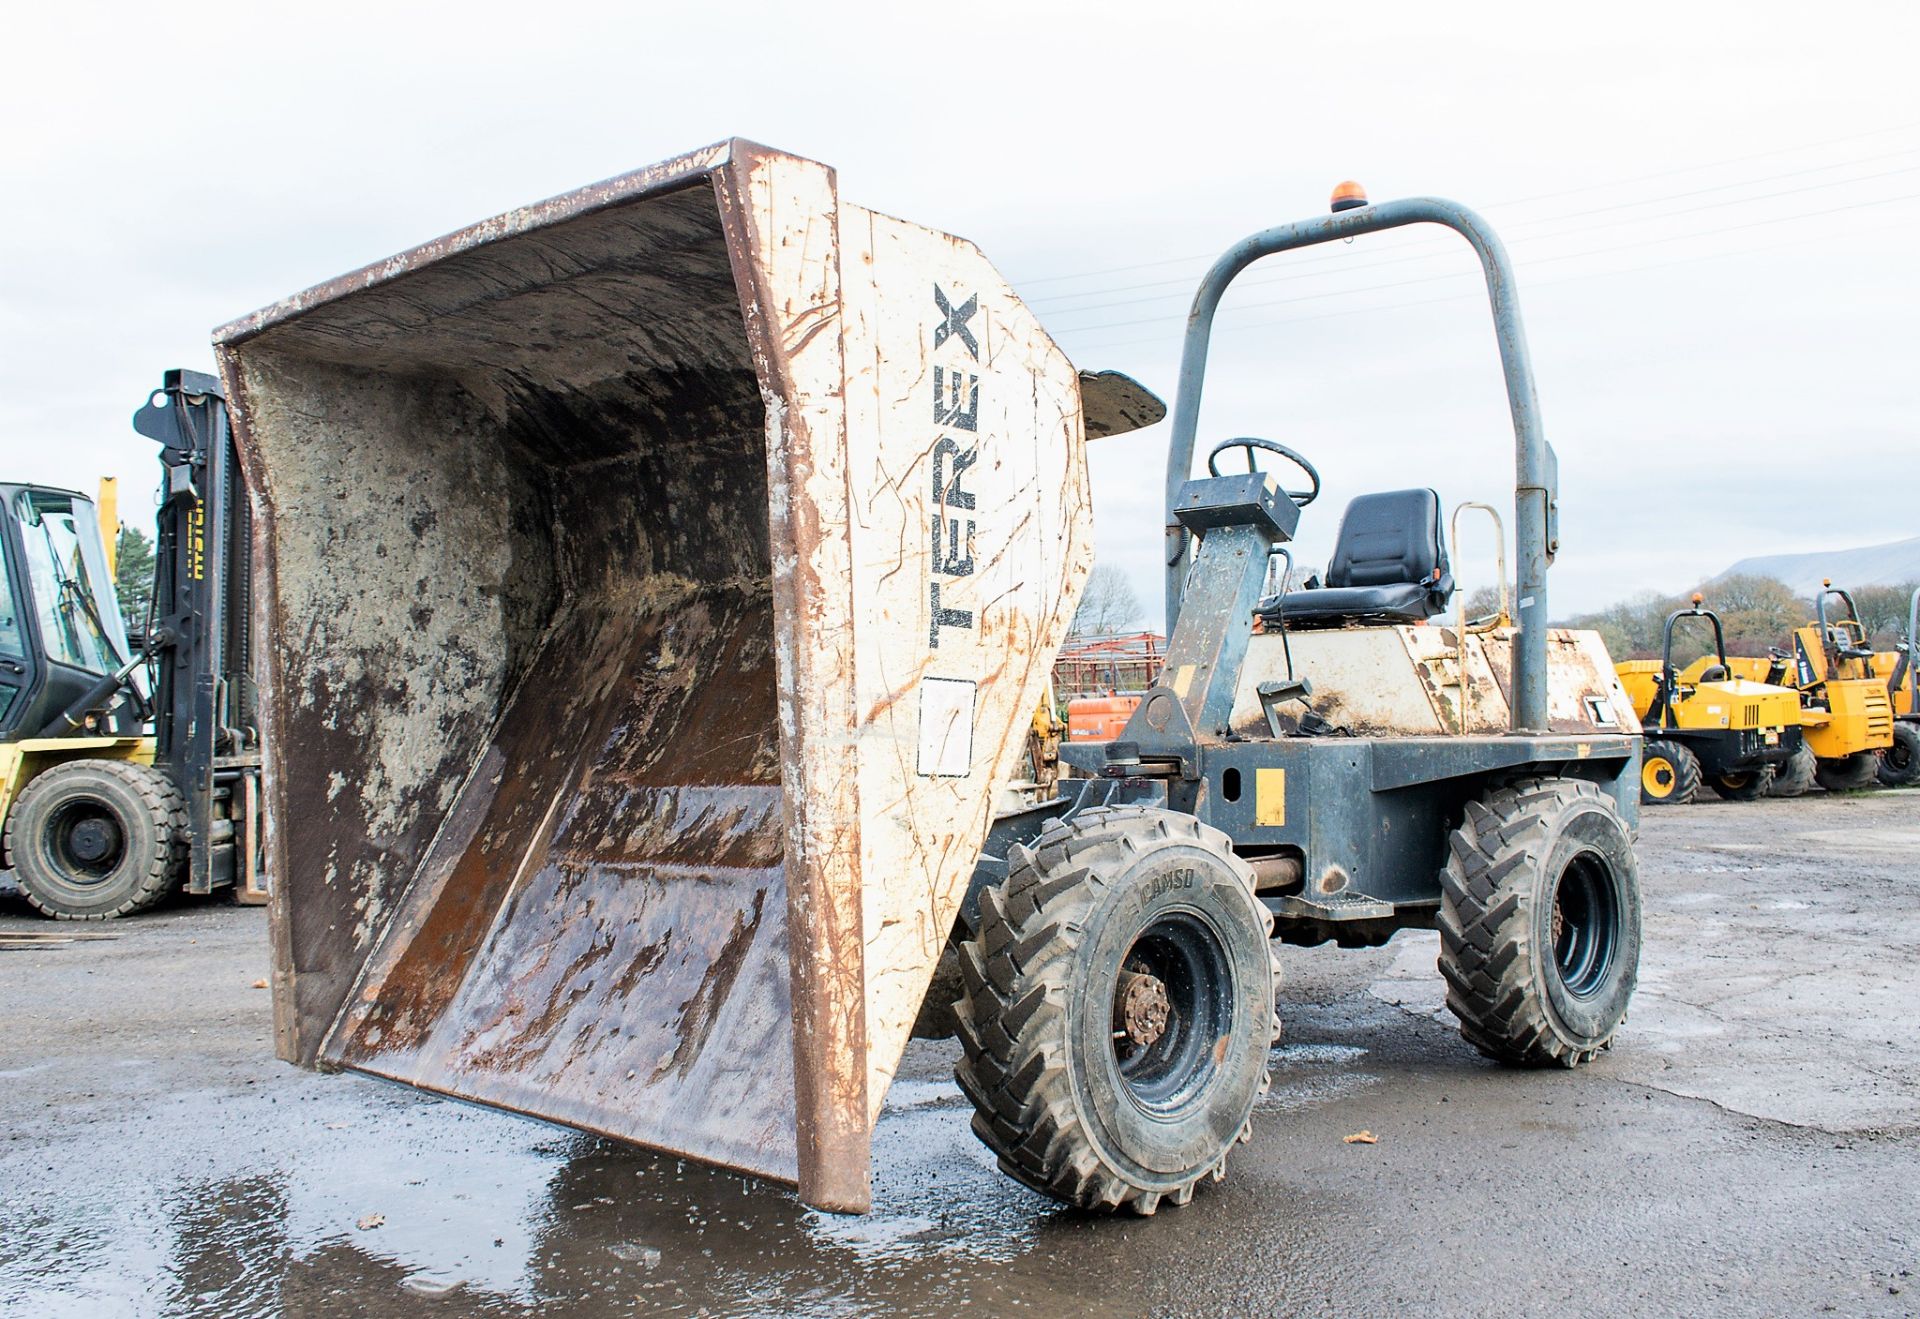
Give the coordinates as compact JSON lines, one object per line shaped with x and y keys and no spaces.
{"x":664,"y":577}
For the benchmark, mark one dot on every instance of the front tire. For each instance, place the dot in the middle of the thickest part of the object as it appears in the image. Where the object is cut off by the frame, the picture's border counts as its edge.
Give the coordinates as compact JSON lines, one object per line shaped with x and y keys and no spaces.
{"x":1900,"y":763}
{"x":1540,"y":922}
{"x":1750,"y":785}
{"x":1794,"y":775}
{"x":1118,"y":1009}
{"x":1669,"y":773}
{"x":1848,"y":773}
{"x":96,"y":839}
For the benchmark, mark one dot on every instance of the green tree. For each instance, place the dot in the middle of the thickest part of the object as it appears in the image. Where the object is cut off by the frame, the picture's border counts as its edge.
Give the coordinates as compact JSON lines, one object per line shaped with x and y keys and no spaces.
{"x":133,"y":576}
{"x":1757,"y":611}
{"x":1484,"y":602}
{"x":1884,"y":612}
{"x":1107,"y":605}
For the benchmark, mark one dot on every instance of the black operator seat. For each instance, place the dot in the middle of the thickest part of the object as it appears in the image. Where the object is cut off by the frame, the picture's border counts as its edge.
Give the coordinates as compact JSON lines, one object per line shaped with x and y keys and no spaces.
{"x":1389,"y":566}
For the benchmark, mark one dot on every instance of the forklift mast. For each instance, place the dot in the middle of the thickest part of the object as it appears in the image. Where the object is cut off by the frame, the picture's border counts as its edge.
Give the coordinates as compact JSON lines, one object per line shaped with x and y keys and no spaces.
{"x":200,"y":637}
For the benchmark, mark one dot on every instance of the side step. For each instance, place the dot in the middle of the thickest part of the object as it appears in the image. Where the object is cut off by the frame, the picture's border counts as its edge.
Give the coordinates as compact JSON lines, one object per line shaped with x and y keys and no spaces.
{"x":1328,"y":907}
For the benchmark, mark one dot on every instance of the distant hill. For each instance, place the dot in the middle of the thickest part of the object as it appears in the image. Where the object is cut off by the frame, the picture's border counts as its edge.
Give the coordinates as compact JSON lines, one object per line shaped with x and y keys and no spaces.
{"x":1870,"y":565}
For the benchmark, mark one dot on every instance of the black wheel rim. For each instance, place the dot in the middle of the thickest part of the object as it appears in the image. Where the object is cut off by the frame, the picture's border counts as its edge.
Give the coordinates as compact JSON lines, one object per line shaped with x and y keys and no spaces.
{"x":1183,"y":955}
{"x":85,"y":839}
{"x":1586,"y":925}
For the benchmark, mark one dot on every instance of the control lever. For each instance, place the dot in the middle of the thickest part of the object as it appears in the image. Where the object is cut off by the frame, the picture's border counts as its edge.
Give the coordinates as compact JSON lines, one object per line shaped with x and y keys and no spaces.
{"x":1275,"y":694}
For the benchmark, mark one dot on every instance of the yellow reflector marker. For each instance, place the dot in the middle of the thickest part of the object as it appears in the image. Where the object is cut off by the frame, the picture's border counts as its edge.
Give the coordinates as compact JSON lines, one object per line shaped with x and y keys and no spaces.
{"x":1270,"y":796}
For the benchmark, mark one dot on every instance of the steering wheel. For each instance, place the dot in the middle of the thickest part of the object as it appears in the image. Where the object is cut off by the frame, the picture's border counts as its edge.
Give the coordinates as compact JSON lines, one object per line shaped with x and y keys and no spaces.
{"x":1300,"y":498}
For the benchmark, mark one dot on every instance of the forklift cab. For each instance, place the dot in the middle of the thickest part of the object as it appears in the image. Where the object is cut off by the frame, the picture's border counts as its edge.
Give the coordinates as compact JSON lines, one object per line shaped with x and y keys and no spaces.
{"x":60,"y":627}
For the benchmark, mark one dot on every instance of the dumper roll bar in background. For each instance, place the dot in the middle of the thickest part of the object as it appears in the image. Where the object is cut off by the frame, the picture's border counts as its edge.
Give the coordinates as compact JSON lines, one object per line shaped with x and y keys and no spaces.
{"x":1534,"y":494}
{"x":1912,"y":660}
{"x":1846,"y":638}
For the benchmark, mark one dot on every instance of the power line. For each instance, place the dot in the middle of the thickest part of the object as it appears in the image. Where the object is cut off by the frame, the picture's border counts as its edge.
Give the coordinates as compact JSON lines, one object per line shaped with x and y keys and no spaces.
{"x":1522,"y":201}
{"x":1561,"y":256}
{"x":1290,"y":273}
{"x":1734,"y":160}
{"x":1736,"y":201}
{"x":1476,"y":294}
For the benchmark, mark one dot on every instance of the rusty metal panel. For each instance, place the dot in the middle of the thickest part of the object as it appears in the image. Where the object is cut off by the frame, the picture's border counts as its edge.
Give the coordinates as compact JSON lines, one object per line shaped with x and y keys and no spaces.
{"x":1458,"y":681}
{"x":600,"y":542}
{"x":965,"y":424}
{"x":1584,"y":694}
{"x":1404,"y":681}
{"x":782,"y":222}
{"x":1364,"y":679}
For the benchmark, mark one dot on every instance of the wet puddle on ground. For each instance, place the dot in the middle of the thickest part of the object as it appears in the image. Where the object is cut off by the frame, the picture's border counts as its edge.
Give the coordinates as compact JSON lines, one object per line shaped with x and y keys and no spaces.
{"x":343,"y":1195}
{"x":325,"y":1195}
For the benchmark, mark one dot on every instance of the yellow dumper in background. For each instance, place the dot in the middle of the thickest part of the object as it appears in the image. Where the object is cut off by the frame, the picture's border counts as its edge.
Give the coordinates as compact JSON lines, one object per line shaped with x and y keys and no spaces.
{"x":1900,"y":669}
{"x":1846,"y":713}
{"x":1703,"y":724}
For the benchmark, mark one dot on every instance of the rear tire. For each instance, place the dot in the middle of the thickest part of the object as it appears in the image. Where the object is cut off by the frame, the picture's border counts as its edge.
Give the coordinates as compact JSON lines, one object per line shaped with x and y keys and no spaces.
{"x":1118,"y":1009}
{"x":1669,"y":773}
{"x":1540,"y":922}
{"x":96,"y":839}
{"x":1900,"y":763}
{"x":1849,"y":773}
{"x":1751,"y":785}
{"x":1794,"y":775}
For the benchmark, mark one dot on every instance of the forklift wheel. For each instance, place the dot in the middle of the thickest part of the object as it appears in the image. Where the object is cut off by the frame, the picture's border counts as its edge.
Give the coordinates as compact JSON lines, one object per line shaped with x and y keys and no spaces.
{"x":1118,"y":1009}
{"x":1669,"y":774}
{"x":1795,"y":775}
{"x":1751,"y":785}
{"x":1540,"y":922}
{"x":95,"y":839}
{"x":1848,"y":773}
{"x":1900,"y":763}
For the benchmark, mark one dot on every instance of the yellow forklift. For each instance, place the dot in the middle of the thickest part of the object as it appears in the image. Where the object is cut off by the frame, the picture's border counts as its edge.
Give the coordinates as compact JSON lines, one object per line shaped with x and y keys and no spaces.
{"x":1846,"y":714}
{"x":103,"y":818}
{"x":1705,"y":725}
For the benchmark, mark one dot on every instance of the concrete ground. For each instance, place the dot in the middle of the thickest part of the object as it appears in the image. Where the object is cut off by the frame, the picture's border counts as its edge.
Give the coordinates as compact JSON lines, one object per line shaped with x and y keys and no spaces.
{"x":1748,"y":1147}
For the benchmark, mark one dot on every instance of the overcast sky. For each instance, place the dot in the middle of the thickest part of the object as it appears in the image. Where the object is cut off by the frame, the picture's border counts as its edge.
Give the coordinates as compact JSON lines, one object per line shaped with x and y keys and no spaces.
{"x":1714,"y":210}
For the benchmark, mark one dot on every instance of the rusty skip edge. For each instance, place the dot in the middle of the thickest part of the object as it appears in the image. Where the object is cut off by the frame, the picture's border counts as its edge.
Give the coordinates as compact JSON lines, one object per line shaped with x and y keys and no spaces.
{"x":825,"y":925}
{"x":265,"y":606}
{"x":668,"y":176}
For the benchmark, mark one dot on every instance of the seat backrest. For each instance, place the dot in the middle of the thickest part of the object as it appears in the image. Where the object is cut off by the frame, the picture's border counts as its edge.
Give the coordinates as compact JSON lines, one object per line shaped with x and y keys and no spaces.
{"x":1388,"y":538}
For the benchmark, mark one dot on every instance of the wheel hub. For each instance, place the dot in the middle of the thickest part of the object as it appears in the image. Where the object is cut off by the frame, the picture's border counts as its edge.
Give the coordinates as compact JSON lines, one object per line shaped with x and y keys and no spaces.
{"x":1583,"y":926}
{"x":92,"y":840}
{"x":1142,"y":1008}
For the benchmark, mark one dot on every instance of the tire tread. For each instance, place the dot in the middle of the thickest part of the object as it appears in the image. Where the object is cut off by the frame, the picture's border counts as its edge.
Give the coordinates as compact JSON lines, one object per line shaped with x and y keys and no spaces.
{"x":1012,"y":1018}
{"x":1485,"y":922}
{"x":166,"y":807}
